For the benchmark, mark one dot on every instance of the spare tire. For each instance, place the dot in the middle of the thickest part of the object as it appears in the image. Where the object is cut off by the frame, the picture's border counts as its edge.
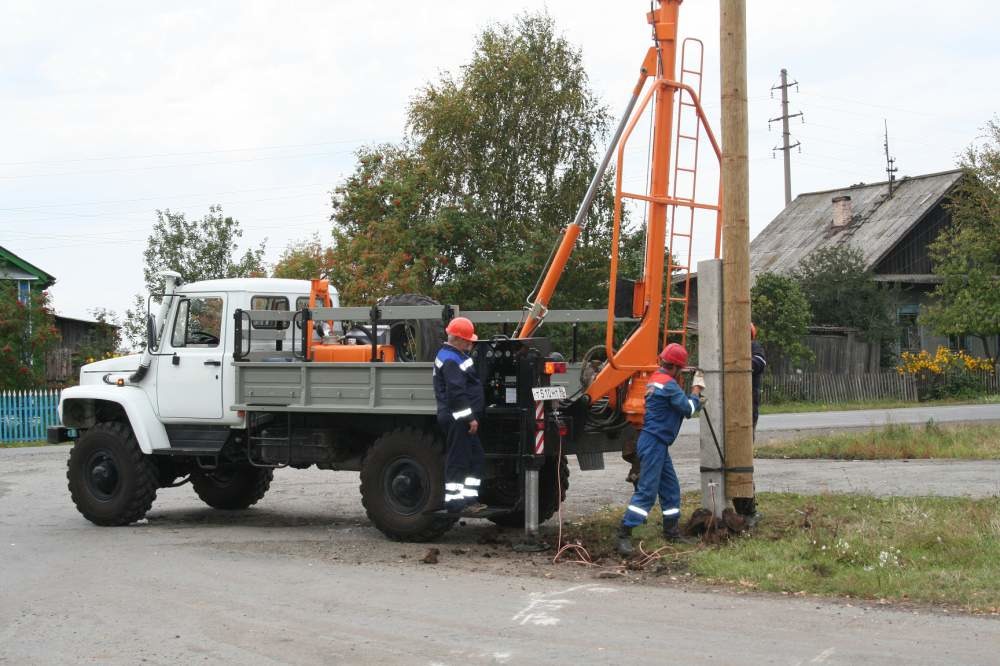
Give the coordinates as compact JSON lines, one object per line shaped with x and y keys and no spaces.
{"x":414,"y":339}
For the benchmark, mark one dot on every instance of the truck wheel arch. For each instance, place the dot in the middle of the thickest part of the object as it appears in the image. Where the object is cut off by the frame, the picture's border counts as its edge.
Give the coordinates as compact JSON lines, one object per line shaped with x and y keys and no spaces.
{"x":83,"y":407}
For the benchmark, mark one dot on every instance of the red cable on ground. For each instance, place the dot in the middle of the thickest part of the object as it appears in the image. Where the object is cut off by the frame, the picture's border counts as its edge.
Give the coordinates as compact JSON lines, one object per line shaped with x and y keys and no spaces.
{"x":582,"y":556}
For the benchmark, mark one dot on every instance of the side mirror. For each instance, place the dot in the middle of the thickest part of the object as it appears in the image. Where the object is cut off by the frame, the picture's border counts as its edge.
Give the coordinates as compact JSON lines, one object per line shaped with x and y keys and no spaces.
{"x":150,"y":332}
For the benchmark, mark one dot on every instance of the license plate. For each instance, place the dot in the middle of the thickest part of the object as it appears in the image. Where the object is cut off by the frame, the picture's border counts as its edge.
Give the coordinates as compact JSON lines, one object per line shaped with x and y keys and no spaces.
{"x":549,"y":393}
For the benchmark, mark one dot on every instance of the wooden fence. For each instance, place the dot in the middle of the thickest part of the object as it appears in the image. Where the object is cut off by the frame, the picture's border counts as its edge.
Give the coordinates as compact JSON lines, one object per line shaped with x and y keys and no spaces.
{"x":25,"y":415}
{"x":826,"y":387}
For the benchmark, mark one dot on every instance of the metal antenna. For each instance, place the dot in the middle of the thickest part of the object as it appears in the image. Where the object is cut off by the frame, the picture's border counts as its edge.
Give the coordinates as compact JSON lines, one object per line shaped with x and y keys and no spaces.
{"x":890,"y":162}
{"x":786,"y":146}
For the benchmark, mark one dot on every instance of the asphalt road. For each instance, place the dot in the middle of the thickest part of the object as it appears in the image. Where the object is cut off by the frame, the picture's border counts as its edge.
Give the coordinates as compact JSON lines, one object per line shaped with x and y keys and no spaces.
{"x":786,"y":424}
{"x":303,"y":578}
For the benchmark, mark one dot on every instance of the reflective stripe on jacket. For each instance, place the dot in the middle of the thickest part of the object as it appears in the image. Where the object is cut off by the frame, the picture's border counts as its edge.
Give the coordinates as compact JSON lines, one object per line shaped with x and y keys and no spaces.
{"x":457,"y":388}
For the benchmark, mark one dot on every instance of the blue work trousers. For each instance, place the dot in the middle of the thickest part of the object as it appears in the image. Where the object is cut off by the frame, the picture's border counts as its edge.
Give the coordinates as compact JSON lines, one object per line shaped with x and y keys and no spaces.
{"x":656,"y":477}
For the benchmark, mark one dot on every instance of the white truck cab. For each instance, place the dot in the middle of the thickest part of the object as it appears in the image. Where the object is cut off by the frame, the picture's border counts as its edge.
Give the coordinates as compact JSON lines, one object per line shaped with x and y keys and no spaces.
{"x":190,"y":375}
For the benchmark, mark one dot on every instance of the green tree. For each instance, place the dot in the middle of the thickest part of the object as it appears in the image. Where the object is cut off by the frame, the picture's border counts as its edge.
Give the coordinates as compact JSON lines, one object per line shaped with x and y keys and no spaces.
{"x":203,"y":249}
{"x":103,"y":340}
{"x":495,"y":163}
{"x":27,"y":332}
{"x":781,"y":313}
{"x":842,"y":292}
{"x":305,"y":260}
{"x":966,"y":255}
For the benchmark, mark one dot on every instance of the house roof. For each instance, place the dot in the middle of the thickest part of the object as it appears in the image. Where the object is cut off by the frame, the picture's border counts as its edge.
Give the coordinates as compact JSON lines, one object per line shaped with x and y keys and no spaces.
{"x":89,"y":322}
{"x":878,"y":222}
{"x":6,"y":256}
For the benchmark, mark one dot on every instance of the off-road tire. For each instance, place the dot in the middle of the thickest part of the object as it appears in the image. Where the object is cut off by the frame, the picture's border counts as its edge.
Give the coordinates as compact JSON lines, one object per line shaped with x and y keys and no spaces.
{"x":233,"y":487}
{"x":128,"y":487}
{"x":414,"y":339}
{"x":402,"y":485}
{"x":506,"y":491}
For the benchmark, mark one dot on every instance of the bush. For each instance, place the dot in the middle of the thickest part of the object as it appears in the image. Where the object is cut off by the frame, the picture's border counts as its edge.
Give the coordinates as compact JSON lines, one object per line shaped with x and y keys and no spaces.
{"x":946,"y":374}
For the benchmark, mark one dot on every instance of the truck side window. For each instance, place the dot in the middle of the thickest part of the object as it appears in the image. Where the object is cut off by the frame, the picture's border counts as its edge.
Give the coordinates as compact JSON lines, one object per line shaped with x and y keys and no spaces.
{"x":198,"y":322}
{"x":300,"y":303}
{"x":279,"y":303}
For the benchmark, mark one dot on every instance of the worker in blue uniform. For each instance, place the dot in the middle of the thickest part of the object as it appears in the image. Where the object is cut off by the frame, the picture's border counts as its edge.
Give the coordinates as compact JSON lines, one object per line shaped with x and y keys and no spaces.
{"x":666,"y":407}
{"x":460,"y":404}
{"x":747,"y":506}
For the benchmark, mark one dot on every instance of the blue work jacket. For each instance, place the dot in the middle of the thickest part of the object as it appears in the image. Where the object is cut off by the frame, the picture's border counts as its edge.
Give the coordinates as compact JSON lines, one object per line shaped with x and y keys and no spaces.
{"x":457,"y":388}
{"x":666,"y":407}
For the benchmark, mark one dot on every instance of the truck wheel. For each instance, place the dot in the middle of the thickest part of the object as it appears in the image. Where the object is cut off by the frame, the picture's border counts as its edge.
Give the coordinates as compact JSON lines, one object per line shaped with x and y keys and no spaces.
{"x":111,"y":481}
{"x":414,"y":339}
{"x":232,"y":487}
{"x":402,"y":482}
{"x":507,"y":491}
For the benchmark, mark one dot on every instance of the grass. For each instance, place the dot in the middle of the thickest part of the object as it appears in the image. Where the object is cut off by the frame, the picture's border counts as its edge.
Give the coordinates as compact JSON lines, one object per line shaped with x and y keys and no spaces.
{"x":801,"y":407}
{"x":931,"y":550}
{"x":21,"y":445}
{"x":894,"y":442}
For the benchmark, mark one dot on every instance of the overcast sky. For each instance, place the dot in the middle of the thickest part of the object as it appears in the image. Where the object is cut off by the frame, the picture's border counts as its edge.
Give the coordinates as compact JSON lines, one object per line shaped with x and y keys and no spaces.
{"x":111,"y":110}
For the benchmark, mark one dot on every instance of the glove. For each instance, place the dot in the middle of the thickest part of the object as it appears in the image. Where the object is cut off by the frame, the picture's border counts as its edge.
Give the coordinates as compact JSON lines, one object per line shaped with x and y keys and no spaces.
{"x":699,"y":380}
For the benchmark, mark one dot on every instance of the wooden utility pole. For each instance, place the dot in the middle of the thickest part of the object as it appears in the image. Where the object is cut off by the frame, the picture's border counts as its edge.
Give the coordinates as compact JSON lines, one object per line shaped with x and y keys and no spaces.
{"x":736,"y":252}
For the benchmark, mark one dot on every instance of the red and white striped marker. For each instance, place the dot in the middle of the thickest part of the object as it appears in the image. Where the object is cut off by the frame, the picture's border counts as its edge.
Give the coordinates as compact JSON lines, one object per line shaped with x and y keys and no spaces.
{"x":539,"y":428}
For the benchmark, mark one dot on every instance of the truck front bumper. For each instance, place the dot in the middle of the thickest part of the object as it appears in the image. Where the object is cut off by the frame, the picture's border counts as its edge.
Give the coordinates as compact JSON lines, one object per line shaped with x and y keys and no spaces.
{"x":58,"y":434}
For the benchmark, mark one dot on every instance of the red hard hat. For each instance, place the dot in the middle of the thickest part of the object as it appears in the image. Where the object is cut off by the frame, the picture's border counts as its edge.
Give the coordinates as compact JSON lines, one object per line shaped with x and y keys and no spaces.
{"x":753,"y":331}
{"x":461,"y":327}
{"x":674,"y":354}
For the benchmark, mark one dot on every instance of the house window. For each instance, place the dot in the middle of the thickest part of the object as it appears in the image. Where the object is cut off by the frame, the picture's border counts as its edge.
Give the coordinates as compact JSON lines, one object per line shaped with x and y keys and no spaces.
{"x":279,"y":303}
{"x":23,"y":291}
{"x":909,"y":332}
{"x":958,"y":343}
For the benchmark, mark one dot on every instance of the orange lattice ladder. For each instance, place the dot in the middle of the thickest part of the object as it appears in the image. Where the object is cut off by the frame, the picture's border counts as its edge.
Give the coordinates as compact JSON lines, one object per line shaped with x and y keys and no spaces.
{"x":684,"y":189}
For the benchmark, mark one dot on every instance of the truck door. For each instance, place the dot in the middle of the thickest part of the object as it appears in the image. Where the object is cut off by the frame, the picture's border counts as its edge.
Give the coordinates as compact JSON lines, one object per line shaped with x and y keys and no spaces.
{"x":189,"y":376}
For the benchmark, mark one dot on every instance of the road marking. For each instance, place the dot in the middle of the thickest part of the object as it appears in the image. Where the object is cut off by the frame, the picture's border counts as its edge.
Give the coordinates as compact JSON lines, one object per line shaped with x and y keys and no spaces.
{"x":823,"y":656}
{"x":542,"y":608}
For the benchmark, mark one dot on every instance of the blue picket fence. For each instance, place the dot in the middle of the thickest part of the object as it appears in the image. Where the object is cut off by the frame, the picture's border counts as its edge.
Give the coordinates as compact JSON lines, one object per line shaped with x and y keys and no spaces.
{"x":25,"y":415}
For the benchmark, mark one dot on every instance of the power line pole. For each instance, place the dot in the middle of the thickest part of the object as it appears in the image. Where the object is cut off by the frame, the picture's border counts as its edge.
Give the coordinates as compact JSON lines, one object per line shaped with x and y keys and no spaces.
{"x":786,"y":136}
{"x":890,"y":162}
{"x":736,"y":389}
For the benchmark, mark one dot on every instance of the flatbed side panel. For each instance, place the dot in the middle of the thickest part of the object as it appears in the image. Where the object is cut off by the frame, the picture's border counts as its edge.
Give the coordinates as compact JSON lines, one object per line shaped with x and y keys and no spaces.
{"x":409,"y":385}
{"x":269,"y":383}
{"x":390,"y":388}
{"x":332,"y":385}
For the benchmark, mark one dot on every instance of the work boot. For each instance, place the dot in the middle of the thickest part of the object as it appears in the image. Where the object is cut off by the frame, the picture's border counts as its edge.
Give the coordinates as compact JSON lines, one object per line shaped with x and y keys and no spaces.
{"x":672,"y":531}
{"x":623,"y":541}
{"x":747,"y":507}
{"x":474,"y":508}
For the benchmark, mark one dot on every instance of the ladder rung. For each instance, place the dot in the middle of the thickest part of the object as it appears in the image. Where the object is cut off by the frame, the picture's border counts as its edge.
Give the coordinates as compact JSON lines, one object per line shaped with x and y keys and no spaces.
{"x":679,"y":234}
{"x":677,"y":299}
{"x":683,"y":103}
{"x":688,"y":136}
{"x":684,"y":169}
{"x":691,"y":71}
